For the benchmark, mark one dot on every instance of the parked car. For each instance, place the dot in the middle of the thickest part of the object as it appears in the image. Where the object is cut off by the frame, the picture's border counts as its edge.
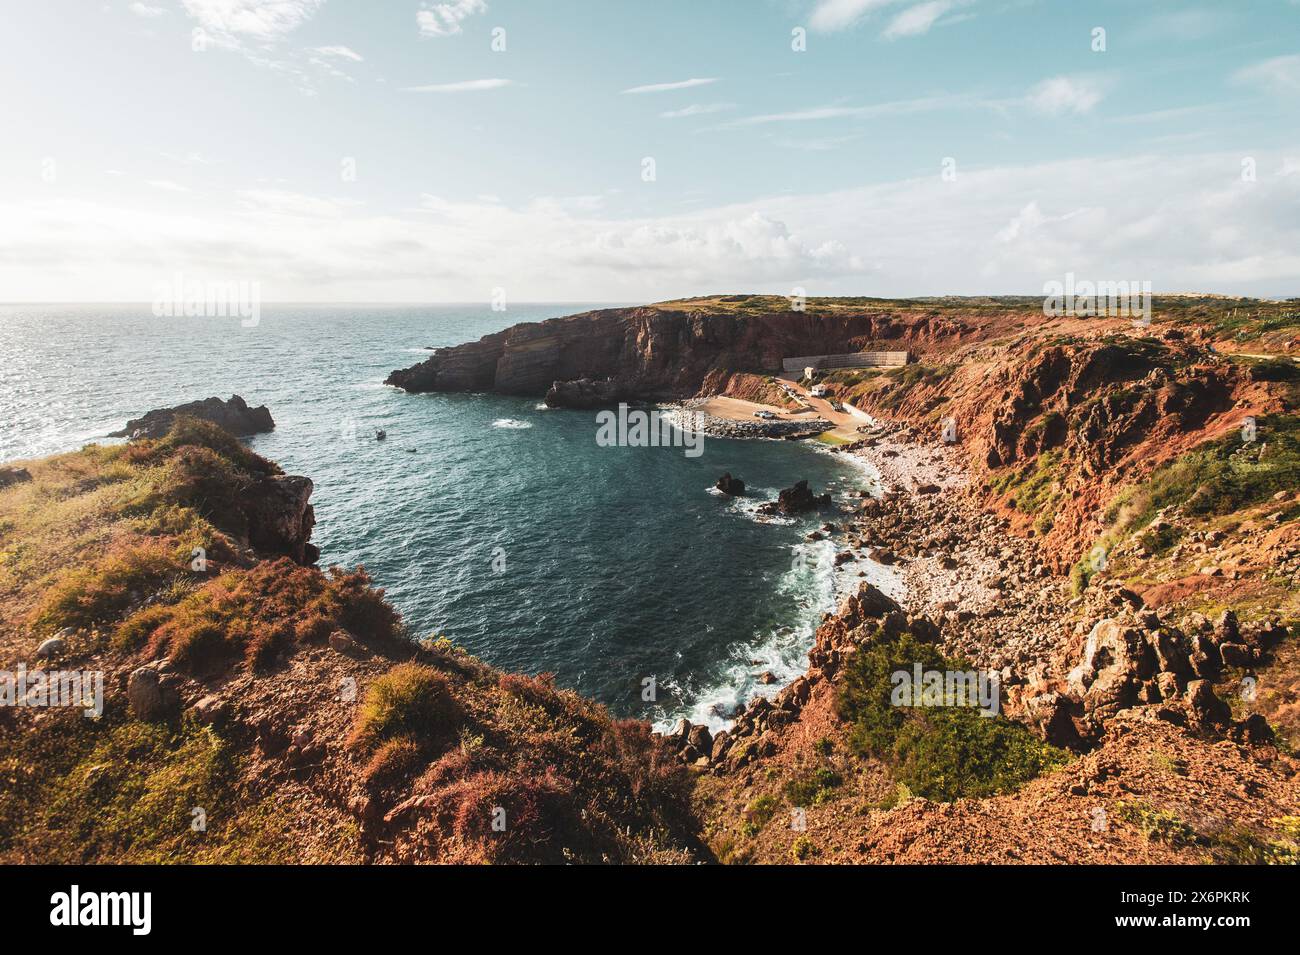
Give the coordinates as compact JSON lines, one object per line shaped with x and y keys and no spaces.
{"x":765,"y":415}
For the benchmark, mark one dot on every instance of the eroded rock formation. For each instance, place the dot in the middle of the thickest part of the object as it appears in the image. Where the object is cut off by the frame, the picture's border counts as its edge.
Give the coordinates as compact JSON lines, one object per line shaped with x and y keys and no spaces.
{"x":234,"y":416}
{"x":644,"y":354}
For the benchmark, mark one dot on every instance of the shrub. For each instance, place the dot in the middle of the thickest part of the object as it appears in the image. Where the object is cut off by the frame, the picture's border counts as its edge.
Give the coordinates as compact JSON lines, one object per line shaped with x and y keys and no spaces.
{"x":394,"y":761}
{"x":802,"y":849}
{"x":188,"y":432}
{"x":352,"y":599}
{"x":538,"y":690}
{"x":101,"y":593}
{"x":136,"y":630}
{"x":813,"y":788}
{"x":410,"y":700}
{"x":505,"y":818}
{"x":939,"y":752}
{"x":760,"y":812}
{"x":258,"y":612}
{"x":1158,"y":825}
{"x":315,"y":627}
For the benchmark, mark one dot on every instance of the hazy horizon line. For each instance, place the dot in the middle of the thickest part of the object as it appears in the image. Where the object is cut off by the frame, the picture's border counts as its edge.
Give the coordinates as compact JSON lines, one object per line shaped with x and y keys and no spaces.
{"x":628,"y":304}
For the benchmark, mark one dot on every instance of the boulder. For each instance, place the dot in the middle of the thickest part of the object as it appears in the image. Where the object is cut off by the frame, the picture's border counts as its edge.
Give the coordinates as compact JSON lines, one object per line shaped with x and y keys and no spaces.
{"x":1253,"y":730}
{"x":151,"y":694}
{"x":342,"y":642}
{"x":700,"y":739}
{"x":52,"y":647}
{"x":1050,"y":714}
{"x":11,"y":476}
{"x":729,"y":485}
{"x":797,"y":500}
{"x":721,"y":740}
{"x":1227,"y":629}
{"x":1238,"y":655}
{"x":1206,"y":708}
{"x":211,"y":710}
{"x":583,"y":393}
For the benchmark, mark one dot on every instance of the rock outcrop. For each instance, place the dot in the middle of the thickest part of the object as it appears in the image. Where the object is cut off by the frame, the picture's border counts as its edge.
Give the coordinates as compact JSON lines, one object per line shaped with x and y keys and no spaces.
{"x":1134,"y":657}
{"x":797,"y":500}
{"x":234,"y":416}
{"x":731,"y":486}
{"x":645,"y":354}
{"x":12,"y":476}
{"x":280,"y":517}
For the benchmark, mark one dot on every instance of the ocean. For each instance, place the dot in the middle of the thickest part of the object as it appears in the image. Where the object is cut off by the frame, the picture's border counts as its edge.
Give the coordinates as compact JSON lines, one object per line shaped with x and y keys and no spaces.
{"x":490,"y":520}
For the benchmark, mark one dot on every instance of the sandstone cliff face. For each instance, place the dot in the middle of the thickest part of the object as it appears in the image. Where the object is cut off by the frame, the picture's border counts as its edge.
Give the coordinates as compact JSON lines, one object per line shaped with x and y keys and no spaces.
{"x":650,"y":353}
{"x":280,"y":517}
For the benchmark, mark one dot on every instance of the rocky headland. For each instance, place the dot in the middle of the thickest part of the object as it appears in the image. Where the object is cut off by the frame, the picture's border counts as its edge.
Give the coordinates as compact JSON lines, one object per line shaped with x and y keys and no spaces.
{"x":233,"y":415}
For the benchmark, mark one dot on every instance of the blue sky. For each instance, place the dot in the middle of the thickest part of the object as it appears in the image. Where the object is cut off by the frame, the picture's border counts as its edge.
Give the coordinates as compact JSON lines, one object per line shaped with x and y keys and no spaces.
{"x":345,"y":150}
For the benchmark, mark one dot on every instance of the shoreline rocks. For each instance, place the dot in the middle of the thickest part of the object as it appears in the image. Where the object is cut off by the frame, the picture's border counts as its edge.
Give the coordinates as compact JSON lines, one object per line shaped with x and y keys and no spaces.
{"x":233,"y":415}
{"x":732,"y":487}
{"x":798,"y":499}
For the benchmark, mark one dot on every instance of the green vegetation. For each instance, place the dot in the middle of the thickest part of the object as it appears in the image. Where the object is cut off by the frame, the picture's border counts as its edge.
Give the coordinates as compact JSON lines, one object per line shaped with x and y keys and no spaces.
{"x":135,"y":793}
{"x":1158,"y":825}
{"x":1231,"y":845}
{"x":803,"y":849}
{"x":1034,"y":488}
{"x":1219,"y":477}
{"x":758,"y":814}
{"x":1240,"y":846}
{"x":410,"y":702}
{"x":813,"y":788}
{"x":941,"y":752}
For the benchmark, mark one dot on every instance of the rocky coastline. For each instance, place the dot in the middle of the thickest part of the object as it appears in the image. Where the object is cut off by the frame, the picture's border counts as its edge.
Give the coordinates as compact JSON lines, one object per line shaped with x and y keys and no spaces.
{"x":1067,"y":665}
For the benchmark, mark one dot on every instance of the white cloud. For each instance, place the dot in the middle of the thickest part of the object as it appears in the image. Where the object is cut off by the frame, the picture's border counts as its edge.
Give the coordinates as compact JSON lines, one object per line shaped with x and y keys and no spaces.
{"x":1279,"y":76}
{"x":697,"y":109}
{"x":1184,"y":222}
{"x":444,"y":19}
{"x":679,"y":85}
{"x":463,"y":86}
{"x":1065,"y":94}
{"x":917,"y":20}
{"x":230,"y":22}
{"x":278,"y":202}
{"x":166,"y":185}
{"x":342,"y":52}
{"x":831,"y":15}
{"x":145,"y":10}
{"x":924,"y":104}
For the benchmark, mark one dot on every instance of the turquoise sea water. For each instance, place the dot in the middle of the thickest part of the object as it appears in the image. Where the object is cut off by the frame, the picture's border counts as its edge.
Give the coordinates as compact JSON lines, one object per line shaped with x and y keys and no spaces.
{"x":490,"y":520}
